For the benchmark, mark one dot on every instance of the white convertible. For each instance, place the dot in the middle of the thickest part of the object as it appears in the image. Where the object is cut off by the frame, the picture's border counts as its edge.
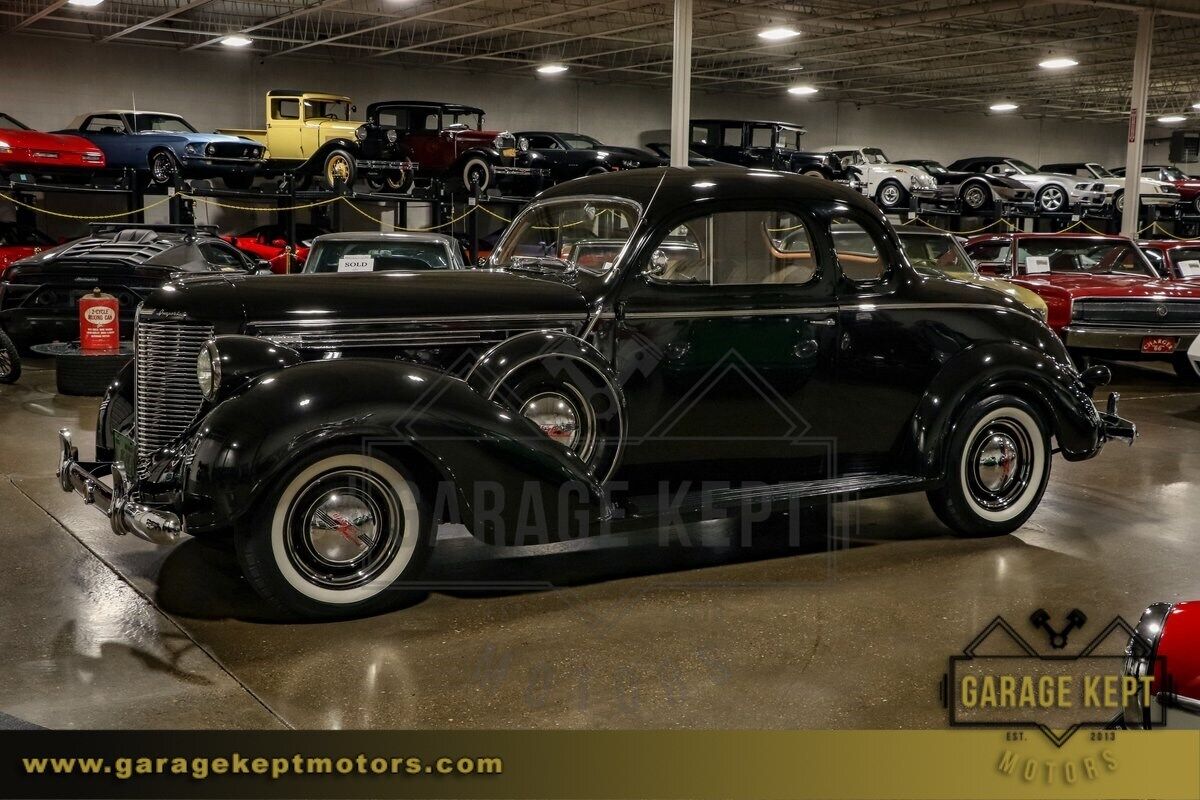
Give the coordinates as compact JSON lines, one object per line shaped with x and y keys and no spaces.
{"x":890,"y":185}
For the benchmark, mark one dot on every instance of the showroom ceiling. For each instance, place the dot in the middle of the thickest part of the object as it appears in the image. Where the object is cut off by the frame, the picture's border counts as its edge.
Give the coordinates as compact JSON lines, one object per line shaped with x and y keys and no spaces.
{"x":944,"y":54}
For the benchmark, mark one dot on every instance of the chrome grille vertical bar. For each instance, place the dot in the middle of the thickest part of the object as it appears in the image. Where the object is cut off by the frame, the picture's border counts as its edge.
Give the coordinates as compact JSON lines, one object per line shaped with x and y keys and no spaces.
{"x":166,"y":394}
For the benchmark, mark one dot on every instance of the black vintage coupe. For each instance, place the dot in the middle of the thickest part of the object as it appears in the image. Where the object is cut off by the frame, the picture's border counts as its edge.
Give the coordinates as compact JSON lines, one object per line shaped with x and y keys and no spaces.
{"x":39,"y":296}
{"x":573,"y":155}
{"x":648,"y":345}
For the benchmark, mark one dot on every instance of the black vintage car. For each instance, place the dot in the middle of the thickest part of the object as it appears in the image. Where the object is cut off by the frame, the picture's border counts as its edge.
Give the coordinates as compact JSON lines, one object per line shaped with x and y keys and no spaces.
{"x":712,"y":350}
{"x":759,"y":143}
{"x":39,"y":296}
{"x":573,"y":155}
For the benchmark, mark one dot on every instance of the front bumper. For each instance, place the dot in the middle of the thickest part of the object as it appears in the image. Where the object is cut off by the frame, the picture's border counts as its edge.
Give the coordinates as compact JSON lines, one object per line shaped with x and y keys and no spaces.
{"x":523,"y":172}
{"x":125,"y":514}
{"x":382,"y":165}
{"x":1125,"y":339}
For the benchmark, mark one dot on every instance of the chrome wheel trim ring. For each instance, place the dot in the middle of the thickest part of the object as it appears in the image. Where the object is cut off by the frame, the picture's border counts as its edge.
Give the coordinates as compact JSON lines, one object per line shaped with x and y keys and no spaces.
{"x":161,"y":167}
{"x":1119,"y":202}
{"x":974,"y":197}
{"x":583,"y":442}
{"x":1000,"y":492}
{"x":555,"y":415}
{"x":338,"y":167}
{"x":890,"y":195}
{"x":375,"y":574}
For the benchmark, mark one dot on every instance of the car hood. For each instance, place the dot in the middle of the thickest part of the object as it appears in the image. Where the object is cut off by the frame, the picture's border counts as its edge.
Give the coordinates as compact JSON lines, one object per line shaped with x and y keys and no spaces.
{"x":37,"y":140}
{"x":630,"y":152}
{"x":1022,"y":295}
{"x":311,"y":298}
{"x":1112,"y":286}
{"x":195,"y":138}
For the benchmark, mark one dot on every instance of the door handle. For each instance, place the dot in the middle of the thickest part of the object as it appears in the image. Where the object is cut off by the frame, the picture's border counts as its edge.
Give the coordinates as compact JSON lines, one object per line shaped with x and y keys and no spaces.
{"x":806,"y":349}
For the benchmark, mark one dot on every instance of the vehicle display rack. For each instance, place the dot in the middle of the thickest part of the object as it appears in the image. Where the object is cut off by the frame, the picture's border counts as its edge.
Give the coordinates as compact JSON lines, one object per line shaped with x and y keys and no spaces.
{"x":121,"y":183}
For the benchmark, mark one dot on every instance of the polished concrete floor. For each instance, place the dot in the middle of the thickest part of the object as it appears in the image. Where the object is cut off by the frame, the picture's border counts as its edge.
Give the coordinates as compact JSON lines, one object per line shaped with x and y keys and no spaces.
{"x":848,"y":628}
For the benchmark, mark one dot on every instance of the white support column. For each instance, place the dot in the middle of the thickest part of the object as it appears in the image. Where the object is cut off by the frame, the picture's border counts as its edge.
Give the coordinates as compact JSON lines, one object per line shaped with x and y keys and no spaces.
{"x":681,"y":84}
{"x":1137,"y":121}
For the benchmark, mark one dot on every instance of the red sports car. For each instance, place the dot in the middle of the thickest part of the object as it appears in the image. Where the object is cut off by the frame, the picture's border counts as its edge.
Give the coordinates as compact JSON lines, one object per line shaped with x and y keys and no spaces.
{"x":1187,"y":186}
{"x":25,"y":150}
{"x":1166,"y":648}
{"x":1177,"y":259}
{"x":1103,"y":296}
{"x":269,"y":243}
{"x":17,"y":242}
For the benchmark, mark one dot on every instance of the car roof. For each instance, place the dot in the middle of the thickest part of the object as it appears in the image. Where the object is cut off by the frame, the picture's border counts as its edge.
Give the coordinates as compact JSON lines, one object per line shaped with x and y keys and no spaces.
{"x":387,"y":236}
{"x":426,"y":104}
{"x":749,"y":122}
{"x":902,"y":232}
{"x":134,"y":112}
{"x":672,"y":187}
{"x":301,"y":92}
{"x":1169,"y":244}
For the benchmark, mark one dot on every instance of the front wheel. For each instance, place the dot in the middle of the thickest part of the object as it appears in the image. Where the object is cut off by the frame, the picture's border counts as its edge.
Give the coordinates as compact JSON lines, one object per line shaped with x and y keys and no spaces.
{"x":1052,"y":199}
{"x":476,"y":173}
{"x":998,"y":463}
{"x":975,"y":197}
{"x":338,"y":536}
{"x":1119,"y":202}
{"x":891,"y":196}
{"x":10,"y":360}
{"x":339,"y":166}
{"x":163,"y":167}
{"x":813,"y":173}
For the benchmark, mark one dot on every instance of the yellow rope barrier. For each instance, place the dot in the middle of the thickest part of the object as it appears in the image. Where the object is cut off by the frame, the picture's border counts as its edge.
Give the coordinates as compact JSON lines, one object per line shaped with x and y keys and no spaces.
{"x":1158,"y":227}
{"x":927,"y":224}
{"x":229,"y":206}
{"x":47,"y":212}
{"x":459,"y":218}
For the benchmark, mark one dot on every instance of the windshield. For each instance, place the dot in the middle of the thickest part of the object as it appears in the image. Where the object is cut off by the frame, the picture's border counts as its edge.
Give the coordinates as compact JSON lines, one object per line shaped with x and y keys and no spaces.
{"x":462,"y":119}
{"x":375,"y":256}
{"x":788,"y":138}
{"x":161,"y":122}
{"x":1099,"y":171}
{"x":936,"y":252}
{"x":327,"y":109}
{"x":1174,"y":174}
{"x":873,"y":155}
{"x":558,"y":236}
{"x":1020,"y":166}
{"x":7,"y":123}
{"x":1185,"y":262}
{"x":932,"y":167}
{"x":581,"y":143}
{"x":1075,"y":256}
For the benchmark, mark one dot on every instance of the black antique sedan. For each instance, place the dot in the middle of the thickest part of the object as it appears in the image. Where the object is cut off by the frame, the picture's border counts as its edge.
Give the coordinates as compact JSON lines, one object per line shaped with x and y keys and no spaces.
{"x":649,"y":345}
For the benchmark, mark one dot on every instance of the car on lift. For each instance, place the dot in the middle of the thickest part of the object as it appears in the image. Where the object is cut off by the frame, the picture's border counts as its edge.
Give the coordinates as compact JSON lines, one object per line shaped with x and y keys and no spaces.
{"x":892,"y":186}
{"x":1151,"y":193}
{"x":695,"y":159}
{"x":370,"y":251}
{"x":447,"y":142}
{"x":24,"y":151}
{"x":1174,"y":259}
{"x":39,"y":296}
{"x":165,"y":145}
{"x":1053,"y":193}
{"x":271,"y":243}
{"x":1104,"y":297}
{"x":20,"y":241}
{"x":760,"y":143}
{"x":1164,"y":647}
{"x":976,"y":191}
{"x":704,"y":370}
{"x":1187,"y":185}
{"x":573,"y":155}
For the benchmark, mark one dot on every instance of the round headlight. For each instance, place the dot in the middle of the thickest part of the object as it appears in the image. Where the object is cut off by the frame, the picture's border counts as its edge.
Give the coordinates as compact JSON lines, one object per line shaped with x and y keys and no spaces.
{"x":392,"y":135}
{"x":523,"y":144}
{"x":208,"y":371}
{"x":360,"y":133}
{"x":190,"y":149}
{"x":498,"y":142}
{"x":212,"y":148}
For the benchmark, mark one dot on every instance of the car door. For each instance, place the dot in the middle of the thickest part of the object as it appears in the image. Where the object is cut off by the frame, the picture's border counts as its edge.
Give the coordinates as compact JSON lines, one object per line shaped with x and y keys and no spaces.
{"x":283,"y":129}
{"x":725,"y":343}
{"x":108,"y":132}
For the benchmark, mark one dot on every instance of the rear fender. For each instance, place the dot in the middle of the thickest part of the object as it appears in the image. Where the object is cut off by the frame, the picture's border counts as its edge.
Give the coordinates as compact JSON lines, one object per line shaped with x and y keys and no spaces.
{"x":487,"y":467}
{"x":1044,"y":379}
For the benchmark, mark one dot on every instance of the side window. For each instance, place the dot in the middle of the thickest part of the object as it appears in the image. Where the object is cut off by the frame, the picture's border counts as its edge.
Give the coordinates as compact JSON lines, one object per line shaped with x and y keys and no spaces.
{"x":285,"y":108}
{"x":760,"y":136}
{"x":700,"y":135}
{"x":736,"y":248}
{"x":222,"y":256}
{"x":543,"y":143}
{"x":989,"y":252}
{"x":859,"y":250}
{"x":101,"y":124}
{"x":731,"y":136}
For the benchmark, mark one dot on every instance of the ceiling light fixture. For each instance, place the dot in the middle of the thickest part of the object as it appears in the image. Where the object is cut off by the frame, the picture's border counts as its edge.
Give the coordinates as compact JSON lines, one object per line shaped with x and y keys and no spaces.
{"x":778,"y":34}
{"x":552,"y":69}
{"x":802,"y":90}
{"x":1058,"y":62}
{"x":1195,"y":105}
{"x":1172,"y":118}
{"x":1004,"y":105}
{"x":237,"y":41}
{"x":85,"y":3}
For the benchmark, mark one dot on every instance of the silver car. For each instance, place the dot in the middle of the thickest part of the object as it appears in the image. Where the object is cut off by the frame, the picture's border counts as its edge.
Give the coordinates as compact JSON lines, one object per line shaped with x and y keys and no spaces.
{"x":1053,"y":192}
{"x":372,"y":251}
{"x":1150,"y":191}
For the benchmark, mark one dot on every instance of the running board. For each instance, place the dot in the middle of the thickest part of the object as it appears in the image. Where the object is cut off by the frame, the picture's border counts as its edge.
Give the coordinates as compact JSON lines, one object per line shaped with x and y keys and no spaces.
{"x":848,"y":487}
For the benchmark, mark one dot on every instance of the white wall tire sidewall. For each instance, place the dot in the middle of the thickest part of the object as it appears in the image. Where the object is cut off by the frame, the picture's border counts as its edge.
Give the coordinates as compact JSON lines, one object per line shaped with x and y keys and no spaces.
{"x":404,"y":553}
{"x":487,"y":173}
{"x":1036,"y":436}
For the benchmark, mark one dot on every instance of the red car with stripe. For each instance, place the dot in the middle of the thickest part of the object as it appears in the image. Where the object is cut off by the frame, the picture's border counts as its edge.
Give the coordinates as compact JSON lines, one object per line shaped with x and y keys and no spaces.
{"x":23,"y":149}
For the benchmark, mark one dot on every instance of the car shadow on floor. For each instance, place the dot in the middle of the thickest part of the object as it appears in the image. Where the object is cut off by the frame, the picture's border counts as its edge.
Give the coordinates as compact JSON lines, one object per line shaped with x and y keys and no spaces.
{"x":203,"y":581}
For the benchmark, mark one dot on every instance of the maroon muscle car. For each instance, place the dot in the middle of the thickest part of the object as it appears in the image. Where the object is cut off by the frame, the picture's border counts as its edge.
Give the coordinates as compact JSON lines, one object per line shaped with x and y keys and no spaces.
{"x":1176,"y":259}
{"x":1187,"y":186}
{"x":1103,"y":296}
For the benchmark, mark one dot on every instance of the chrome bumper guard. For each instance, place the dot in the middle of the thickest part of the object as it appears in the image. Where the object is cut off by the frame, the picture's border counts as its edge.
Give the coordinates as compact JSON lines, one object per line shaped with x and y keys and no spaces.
{"x":1121,"y":338}
{"x":124,"y":514}
{"x":1112,"y":425}
{"x":392,"y":166}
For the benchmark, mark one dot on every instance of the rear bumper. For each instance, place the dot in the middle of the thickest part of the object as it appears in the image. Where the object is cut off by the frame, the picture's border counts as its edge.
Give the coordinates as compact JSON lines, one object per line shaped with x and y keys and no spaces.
{"x":125,"y":514}
{"x":1124,"y":339}
{"x":1114,"y":426}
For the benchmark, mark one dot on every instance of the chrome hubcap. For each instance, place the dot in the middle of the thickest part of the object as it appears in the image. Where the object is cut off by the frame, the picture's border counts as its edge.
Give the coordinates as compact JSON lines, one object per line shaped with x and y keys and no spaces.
{"x":974,"y":197}
{"x":344,"y":528}
{"x":338,"y":168}
{"x":891,"y":195}
{"x":555,"y":415}
{"x":1000,"y":464}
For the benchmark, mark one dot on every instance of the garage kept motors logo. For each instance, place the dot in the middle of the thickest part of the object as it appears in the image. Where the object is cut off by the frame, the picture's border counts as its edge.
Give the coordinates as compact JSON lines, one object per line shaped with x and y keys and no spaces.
{"x":1002,"y":680}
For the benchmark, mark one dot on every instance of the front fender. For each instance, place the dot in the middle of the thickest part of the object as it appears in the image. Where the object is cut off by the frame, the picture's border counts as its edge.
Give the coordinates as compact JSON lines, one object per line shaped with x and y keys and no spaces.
{"x":489,"y":468}
{"x":318,"y":158}
{"x":1042,"y":378}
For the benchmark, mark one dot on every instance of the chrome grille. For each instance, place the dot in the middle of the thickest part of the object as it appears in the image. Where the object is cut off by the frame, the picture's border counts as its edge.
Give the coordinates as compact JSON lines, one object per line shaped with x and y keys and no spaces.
{"x":1158,"y":313}
{"x":167,"y":395}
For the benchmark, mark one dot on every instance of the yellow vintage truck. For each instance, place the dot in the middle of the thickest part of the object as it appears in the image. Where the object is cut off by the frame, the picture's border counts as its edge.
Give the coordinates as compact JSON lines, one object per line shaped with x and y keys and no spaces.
{"x":312,"y":134}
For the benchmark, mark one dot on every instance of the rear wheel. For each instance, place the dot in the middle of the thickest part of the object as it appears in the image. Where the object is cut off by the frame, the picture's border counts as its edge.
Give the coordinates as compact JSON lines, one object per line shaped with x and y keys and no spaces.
{"x":998,"y":463}
{"x":338,"y":536}
{"x":813,"y":173}
{"x":10,"y":360}
{"x":975,"y":197}
{"x":1119,"y":202}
